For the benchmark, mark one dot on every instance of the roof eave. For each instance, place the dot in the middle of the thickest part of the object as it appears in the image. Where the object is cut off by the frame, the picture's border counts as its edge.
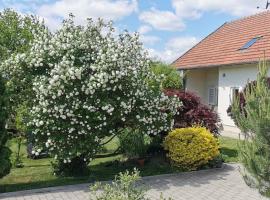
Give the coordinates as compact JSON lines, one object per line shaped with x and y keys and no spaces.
{"x":216,"y":65}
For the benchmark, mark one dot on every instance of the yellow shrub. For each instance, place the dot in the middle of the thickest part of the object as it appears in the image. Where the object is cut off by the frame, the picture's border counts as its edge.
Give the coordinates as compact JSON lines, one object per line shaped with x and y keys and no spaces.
{"x":190,"y":148}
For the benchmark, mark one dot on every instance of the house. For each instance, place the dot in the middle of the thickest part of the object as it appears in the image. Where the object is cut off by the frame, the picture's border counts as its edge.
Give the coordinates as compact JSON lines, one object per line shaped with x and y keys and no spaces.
{"x":221,"y":64}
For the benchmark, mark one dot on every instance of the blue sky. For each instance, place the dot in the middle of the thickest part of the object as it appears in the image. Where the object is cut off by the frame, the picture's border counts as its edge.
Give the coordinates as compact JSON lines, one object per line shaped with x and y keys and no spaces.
{"x":168,"y":28}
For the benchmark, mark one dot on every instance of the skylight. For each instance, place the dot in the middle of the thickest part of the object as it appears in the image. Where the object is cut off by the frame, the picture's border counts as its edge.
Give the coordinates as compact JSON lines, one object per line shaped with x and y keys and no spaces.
{"x":250,"y":43}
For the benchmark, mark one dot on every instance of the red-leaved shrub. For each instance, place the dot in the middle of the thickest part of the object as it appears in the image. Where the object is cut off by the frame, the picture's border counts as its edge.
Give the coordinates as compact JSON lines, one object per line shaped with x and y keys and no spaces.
{"x":193,"y":112}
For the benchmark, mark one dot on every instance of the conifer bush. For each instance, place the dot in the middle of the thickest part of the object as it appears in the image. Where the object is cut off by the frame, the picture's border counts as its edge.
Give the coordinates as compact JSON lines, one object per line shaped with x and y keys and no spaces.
{"x":253,"y":118}
{"x":241,"y":97}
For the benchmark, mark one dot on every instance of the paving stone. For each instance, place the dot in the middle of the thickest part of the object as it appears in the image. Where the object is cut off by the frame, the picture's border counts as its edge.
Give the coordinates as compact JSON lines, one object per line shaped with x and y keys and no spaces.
{"x":222,"y":184}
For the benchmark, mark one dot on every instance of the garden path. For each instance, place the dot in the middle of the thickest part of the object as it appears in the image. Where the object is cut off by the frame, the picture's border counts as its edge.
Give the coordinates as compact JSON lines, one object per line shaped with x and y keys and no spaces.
{"x":222,"y":184}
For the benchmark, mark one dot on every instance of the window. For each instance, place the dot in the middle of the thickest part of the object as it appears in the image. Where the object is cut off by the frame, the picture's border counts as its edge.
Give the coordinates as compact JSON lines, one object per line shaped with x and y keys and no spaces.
{"x":212,"y":96}
{"x":234,"y":93}
{"x":250,"y":43}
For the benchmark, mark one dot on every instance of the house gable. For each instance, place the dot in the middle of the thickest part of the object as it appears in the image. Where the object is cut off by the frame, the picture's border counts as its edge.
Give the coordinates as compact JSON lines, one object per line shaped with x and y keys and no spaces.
{"x":223,"y":46}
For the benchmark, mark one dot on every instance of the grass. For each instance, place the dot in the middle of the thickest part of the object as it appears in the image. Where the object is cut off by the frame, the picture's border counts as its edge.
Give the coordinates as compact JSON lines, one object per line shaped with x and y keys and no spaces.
{"x":229,"y":149}
{"x":39,"y":173}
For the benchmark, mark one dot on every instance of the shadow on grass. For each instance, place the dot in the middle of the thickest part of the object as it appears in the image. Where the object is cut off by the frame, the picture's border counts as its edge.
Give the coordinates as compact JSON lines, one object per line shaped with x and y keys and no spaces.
{"x":229,"y":155}
{"x":100,"y":172}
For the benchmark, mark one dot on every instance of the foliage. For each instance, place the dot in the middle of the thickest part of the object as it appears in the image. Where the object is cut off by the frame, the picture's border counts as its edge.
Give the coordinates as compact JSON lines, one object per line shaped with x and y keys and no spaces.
{"x":170,"y":77}
{"x":21,"y":118}
{"x":134,"y":144}
{"x":241,"y":97}
{"x":193,"y":112}
{"x":20,"y":124}
{"x":122,"y":188}
{"x":254,"y":121}
{"x":88,"y":85}
{"x":16,"y":33}
{"x":5,"y":163}
{"x":190,"y":148}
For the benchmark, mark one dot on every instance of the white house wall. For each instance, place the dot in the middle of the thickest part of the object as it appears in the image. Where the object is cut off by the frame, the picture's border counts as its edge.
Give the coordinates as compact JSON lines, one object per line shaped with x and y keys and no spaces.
{"x":229,"y":77}
{"x":199,"y":80}
{"x":195,"y":82}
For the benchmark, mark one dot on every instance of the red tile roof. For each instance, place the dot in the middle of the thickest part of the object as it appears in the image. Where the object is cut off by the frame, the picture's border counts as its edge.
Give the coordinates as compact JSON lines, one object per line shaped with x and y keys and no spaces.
{"x":222,"y":46}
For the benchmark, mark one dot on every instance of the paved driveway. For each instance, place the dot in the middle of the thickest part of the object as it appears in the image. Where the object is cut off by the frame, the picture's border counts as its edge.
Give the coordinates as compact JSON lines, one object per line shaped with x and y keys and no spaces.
{"x":215,"y":184}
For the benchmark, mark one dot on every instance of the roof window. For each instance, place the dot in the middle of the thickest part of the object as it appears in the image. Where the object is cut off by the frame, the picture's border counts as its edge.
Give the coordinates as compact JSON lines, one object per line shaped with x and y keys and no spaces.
{"x":250,"y":43}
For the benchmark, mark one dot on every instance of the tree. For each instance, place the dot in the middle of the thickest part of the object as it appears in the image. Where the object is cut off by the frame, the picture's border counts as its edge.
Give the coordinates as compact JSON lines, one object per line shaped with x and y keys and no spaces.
{"x":169,"y":76}
{"x":16,"y":33}
{"x":253,"y":118}
{"x":5,"y":163}
{"x":88,"y":85}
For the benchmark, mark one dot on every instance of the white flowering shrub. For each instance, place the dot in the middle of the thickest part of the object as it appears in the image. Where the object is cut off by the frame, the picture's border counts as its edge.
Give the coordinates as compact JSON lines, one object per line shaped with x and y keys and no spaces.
{"x":90,"y":84}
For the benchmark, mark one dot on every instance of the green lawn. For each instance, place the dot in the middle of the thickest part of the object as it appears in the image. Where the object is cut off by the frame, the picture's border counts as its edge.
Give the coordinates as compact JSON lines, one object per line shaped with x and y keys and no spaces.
{"x":229,"y":149}
{"x":38,"y":173}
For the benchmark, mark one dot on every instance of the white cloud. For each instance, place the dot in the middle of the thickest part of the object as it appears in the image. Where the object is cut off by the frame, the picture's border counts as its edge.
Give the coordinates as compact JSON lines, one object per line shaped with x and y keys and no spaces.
{"x":174,"y":48}
{"x":149,"y":39}
{"x":144,"y":29}
{"x":162,"y":20}
{"x":53,"y":13}
{"x":195,"y":8}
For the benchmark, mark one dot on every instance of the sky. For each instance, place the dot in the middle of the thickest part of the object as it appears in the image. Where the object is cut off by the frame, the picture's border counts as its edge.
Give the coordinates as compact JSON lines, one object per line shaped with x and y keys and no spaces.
{"x":168,"y":28}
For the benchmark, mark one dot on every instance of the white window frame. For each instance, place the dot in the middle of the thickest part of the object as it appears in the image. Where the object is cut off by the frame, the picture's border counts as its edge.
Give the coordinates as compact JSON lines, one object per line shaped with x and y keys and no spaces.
{"x":232,"y":92}
{"x":213,"y":100}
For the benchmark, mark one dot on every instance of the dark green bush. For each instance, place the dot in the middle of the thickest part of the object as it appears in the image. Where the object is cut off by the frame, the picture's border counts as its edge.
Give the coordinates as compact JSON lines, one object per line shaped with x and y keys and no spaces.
{"x":77,"y":167}
{"x":5,"y":163}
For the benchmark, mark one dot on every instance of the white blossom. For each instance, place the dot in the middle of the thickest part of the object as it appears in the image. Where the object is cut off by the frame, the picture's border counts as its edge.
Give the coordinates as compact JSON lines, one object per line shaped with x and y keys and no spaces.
{"x":90,"y":83}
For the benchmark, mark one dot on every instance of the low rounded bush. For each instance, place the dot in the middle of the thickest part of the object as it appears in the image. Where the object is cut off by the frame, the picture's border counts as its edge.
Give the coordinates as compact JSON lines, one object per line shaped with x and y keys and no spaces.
{"x":190,"y":148}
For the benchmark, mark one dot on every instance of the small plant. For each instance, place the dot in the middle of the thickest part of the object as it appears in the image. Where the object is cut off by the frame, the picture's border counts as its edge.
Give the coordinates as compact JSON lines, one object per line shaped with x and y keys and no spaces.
{"x":18,"y":160}
{"x":134,"y":144}
{"x":191,"y":148}
{"x":122,"y":188}
{"x":194,"y":112}
{"x":20,"y":122}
